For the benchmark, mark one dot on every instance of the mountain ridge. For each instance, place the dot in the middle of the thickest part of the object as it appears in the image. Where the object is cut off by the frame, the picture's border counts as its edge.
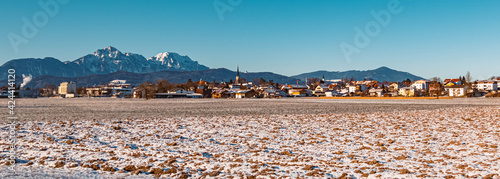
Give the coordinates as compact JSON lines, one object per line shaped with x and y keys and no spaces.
{"x":380,"y":74}
{"x":102,"y":61}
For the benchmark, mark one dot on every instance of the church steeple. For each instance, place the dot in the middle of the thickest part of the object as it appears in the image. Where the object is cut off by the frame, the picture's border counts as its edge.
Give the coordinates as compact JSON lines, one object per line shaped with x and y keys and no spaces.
{"x":237,"y":81}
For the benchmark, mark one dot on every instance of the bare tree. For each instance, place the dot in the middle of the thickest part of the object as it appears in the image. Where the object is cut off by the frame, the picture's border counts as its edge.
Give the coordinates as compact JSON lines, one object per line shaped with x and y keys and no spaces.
{"x":312,"y":80}
{"x":262,"y":81}
{"x":437,"y":79}
{"x":149,"y":89}
{"x":468,"y":78}
{"x":436,"y":88}
{"x":163,"y":86}
{"x":81,"y":90}
{"x":255,"y":81}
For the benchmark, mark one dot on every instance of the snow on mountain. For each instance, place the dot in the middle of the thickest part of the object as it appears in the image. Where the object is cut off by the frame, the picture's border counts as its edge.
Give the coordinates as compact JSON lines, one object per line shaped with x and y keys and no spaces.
{"x":110,"y":59}
{"x":176,"y":61}
{"x":102,"y":61}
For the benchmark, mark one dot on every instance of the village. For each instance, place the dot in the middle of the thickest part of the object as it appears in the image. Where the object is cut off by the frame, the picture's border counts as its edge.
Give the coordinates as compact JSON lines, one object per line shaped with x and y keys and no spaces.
{"x":260,"y":88}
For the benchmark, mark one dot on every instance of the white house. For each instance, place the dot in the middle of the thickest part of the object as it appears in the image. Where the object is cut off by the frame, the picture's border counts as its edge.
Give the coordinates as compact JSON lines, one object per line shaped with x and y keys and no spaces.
{"x":344,"y":91}
{"x":376,"y":92}
{"x":181,"y":91}
{"x":486,"y":86}
{"x":394,"y":87}
{"x":67,"y":88}
{"x":421,"y":84}
{"x":321,"y":88}
{"x":351,"y":88}
{"x":457,"y":90}
{"x":407,"y":91}
{"x":240,"y":93}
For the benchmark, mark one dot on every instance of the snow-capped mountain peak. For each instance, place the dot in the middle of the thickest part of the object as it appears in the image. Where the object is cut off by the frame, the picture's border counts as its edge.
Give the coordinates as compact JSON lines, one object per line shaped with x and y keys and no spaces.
{"x":110,"y":59}
{"x":178,"y":62}
{"x":109,"y":51}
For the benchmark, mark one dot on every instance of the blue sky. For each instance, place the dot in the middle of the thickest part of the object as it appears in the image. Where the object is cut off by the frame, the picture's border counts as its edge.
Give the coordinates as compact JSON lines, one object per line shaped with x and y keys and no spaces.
{"x":427,"y":38}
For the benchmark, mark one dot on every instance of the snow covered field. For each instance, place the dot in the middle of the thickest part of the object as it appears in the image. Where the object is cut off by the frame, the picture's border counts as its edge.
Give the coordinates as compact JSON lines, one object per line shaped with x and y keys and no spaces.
{"x":108,"y":138}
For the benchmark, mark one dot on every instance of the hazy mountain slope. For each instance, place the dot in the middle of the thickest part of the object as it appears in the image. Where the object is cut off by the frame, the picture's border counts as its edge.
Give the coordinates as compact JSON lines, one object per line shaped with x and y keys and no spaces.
{"x":380,"y":74}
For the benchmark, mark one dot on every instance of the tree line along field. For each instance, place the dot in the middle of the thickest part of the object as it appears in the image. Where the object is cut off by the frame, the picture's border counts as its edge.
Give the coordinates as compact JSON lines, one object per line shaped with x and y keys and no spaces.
{"x":102,"y":138}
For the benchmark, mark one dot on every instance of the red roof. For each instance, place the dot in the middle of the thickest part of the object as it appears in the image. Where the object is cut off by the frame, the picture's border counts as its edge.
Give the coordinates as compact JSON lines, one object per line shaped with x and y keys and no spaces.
{"x":452,"y":80}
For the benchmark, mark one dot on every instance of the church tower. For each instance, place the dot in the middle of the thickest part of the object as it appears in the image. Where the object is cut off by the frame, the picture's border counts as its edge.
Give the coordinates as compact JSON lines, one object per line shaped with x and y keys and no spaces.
{"x":237,"y":81}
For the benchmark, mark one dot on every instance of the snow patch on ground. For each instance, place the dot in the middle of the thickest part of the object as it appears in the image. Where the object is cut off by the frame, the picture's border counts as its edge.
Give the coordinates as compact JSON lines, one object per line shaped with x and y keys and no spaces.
{"x":461,"y":142}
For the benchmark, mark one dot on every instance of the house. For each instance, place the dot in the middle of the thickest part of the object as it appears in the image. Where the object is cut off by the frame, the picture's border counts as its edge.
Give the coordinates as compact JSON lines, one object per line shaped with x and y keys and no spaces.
{"x":136,"y":93}
{"x":122,"y":92}
{"x":115,"y":88}
{"x":485,"y":86}
{"x":235,"y":86}
{"x":280,"y":93}
{"x":67,"y":88}
{"x":118,"y":82}
{"x":322,"y":88}
{"x":181,"y":91}
{"x":298,"y":86}
{"x":297,"y":92}
{"x":435,"y":88}
{"x":273,"y":93}
{"x":207,"y":93}
{"x":376,"y":92}
{"x":457,"y":90}
{"x":269,"y":93}
{"x":394,"y":87}
{"x":351,"y":88}
{"x":94,"y":91}
{"x":334,"y":87}
{"x":407,"y":91}
{"x":344,"y":91}
{"x":220,"y":93}
{"x":451,"y":82}
{"x":309,"y":92}
{"x":216,"y":94}
{"x":332,"y":94}
{"x":421,"y":84}
{"x":241,"y":94}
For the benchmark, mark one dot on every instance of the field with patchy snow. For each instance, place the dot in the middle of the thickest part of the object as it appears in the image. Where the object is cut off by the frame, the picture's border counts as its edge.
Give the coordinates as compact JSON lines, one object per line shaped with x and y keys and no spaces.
{"x":303,"y":138}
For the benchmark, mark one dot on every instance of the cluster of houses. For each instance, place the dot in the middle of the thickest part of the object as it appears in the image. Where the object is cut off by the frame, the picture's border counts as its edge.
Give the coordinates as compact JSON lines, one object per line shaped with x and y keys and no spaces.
{"x":240,"y":88}
{"x":322,"y":88}
{"x":115,"y":88}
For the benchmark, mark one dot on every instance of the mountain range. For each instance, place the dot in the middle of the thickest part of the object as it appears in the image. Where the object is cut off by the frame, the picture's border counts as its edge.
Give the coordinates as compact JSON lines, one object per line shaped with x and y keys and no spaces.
{"x":109,"y":63}
{"x":102,"y":61}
